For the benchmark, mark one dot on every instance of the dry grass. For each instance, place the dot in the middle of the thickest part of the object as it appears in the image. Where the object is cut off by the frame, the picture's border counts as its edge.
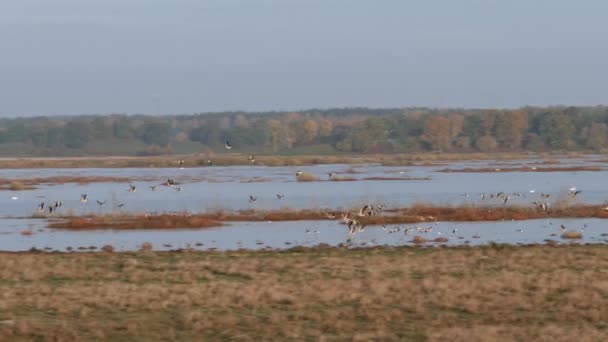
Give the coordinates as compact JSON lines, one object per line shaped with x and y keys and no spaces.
{"x":415,"y":294}
{"x":415,"y":214}
{"x":268,"y":160}
{"x":525,"y":169}
{"x":17,"y":186}
{"x":31,"y":183}
{"x":163,"y":221}
{"x":572,"y":234}
{"x":306,"y":177}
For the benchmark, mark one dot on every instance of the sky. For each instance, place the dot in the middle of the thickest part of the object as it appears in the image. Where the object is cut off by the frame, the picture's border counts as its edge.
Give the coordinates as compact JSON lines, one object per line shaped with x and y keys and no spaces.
{"x":66,"y":57}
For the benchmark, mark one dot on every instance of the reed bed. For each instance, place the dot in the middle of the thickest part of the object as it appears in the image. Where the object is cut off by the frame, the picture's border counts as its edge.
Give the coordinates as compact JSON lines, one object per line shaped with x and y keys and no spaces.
{"x":418,"y":213}
{"x":268,"y":160}
{"x":495,"y":293}
{"x":126,"y":222}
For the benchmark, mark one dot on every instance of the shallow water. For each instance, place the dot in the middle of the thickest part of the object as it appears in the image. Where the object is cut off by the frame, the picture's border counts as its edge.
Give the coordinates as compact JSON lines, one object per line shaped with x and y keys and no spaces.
{"x":282,"y":235}
{"x":230,"y":188}
{"x":209,"y":188}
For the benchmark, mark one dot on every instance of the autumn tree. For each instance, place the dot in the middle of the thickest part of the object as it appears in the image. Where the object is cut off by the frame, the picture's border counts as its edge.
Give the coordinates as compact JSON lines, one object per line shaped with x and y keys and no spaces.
{"x":437,"y":132}
{"x":510,"y":126}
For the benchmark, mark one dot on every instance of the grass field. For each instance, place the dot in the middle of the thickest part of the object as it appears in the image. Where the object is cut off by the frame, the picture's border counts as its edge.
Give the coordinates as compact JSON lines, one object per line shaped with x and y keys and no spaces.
{"x":451,"y":294}
{"x":229,"y":159}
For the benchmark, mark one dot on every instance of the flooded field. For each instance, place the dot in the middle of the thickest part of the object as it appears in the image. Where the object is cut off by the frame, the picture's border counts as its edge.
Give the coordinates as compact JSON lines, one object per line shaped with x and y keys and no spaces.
{"x":205,"y":189}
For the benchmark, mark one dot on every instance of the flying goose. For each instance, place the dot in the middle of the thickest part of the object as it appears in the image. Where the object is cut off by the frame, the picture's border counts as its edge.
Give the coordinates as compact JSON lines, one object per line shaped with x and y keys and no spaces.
{"x":100,"y":203}
{"x":280,"y":196}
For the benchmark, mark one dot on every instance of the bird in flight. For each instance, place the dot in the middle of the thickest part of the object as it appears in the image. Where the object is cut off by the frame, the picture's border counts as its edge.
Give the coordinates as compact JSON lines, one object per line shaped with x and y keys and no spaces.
{"x":280,"y":196}
{"x":101,"y":203}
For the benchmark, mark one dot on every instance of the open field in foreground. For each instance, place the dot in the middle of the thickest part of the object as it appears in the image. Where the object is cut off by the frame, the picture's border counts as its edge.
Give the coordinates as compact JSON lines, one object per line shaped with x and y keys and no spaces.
{"x":463,"y":294}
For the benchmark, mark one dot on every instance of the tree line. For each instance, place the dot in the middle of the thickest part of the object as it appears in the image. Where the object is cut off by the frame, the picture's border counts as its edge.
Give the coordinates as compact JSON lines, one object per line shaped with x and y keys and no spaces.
{"x":344,"y":130}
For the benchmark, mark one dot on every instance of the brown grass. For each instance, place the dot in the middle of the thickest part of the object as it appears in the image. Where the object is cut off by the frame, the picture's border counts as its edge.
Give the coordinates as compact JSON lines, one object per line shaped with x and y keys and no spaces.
{"x":415,"y":214}
{"x":17,"y":186}
{"x":410,"y":294}
{"x":572,"y":234}
{"x":525,"y":169}
{"x":306,"y":177}
{"x":31,"y":183}
{"x":268,"y":160}
{"x":163,"y":221}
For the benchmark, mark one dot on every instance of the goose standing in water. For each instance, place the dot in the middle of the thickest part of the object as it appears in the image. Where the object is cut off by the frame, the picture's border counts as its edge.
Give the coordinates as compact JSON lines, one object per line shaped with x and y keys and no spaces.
{"x":153,"y":187}
{"x":298,"y":173}
{"x":84,"y":198}
{"x":331,"y":175}
{"x":228,"y":146}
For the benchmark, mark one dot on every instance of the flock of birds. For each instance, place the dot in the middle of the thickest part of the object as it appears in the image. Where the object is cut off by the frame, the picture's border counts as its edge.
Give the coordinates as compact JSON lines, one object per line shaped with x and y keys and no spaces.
{"x":542,"y":204}
{"x":353,"y":220}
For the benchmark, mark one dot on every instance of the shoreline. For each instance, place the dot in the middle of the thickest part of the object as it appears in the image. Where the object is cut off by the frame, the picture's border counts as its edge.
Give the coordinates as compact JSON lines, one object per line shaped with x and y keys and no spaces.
{"x":234,"y":159}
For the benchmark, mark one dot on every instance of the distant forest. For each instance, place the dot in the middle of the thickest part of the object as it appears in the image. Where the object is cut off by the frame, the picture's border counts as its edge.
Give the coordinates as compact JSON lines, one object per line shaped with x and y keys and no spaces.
{"x":331,"y":131}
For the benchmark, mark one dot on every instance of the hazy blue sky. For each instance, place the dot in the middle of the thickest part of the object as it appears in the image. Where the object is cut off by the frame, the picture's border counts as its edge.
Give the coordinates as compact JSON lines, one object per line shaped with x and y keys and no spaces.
{"x":183,"y":56}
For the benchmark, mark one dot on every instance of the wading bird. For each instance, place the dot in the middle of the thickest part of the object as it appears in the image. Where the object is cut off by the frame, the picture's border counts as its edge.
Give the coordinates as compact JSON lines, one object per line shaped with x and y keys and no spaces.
{"x":228,"y":146}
